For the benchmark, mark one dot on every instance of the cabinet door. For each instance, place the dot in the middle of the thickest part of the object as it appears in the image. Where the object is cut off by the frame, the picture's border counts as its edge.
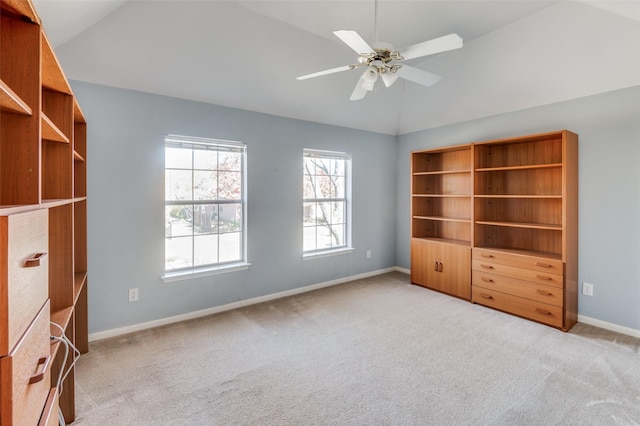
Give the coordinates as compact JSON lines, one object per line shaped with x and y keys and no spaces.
{"x":455,"y":270}
{"x":440,"y":266}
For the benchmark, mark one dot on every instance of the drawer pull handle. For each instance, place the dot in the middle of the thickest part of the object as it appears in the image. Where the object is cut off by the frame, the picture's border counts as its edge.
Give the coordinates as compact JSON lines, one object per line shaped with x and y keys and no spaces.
{"x":482,"y":265}
{"x":44,"y":362}
{"x":543,"y":311}
{"x":542,"y":277}
{"x":435,"y":266}
{"x":543,"y":265}
{"x":486,"y":296}
{"x":439,"y":266}
{"x":34,"y":260}
{"x":545,"y":293}
{"x":490,"y":256}
{"x":486,"y":280}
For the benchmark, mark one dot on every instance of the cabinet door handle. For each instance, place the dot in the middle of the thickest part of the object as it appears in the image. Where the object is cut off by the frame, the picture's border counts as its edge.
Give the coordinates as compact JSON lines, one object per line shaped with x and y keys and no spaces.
{"x":439,"y":266}
{"x":543,"y":311}
{"x":545,"y":293}
{"x":486,"y":296}
{"x":543,"y":265}
{"x":542,"y":277}
{"x":435,"y":266}
{"x":490,"y":256}
{"x":486,"y":280}
{"x":482,"y":265}
{"x":34,"y":260}
{"x":44,"y":362}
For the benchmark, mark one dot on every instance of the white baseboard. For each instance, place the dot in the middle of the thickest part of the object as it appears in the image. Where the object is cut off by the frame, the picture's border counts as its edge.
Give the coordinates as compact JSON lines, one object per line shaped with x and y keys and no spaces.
{"x":609,"y":326}
{"x":217,"y":309}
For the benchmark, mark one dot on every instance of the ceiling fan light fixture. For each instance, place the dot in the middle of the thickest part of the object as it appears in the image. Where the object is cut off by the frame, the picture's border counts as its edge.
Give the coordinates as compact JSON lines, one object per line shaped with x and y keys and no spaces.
{"x":369,"y":79}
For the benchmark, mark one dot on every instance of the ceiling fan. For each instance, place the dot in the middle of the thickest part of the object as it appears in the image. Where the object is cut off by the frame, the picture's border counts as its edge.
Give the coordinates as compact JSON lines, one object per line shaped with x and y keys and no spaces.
{"x":382,"y":60}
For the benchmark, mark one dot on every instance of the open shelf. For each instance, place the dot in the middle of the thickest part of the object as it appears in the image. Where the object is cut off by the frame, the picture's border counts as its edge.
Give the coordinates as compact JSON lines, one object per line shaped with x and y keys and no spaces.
{"x":50,"y":131}
{"x":444,"y":218}
{"x":11,"y":102}
{"x":526,"y":167}
{"x":529,"y":225}
{"x":445,"y":241}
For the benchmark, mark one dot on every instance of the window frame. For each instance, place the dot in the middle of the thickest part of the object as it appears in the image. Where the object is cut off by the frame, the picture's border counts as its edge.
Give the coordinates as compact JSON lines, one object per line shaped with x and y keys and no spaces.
{"x":346,"y":247}
{"x":218,"y":145}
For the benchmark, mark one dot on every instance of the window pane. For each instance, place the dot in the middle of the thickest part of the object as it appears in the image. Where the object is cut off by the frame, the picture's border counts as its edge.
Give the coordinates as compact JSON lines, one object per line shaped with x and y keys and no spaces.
{"x":309,"y":238}
{"x":337,"y":167}
{"x":205,"y":159}
{"x":323,"y":187}
{"x":178,"y":185}
{"x":178,"y":221}
{"x":205,"y":249}
{"x":229,"y":185}
{"x":338,"y":187}
{"x":323,"y":214}
{"x":308,"y":187}
{"x":337,"y":235}
{"x":309,"y":166}
{"x":230,"y":161}
{"x":323,"y":236}
{"x":230,"y":247}
{"x":178,"y":252}
{"x":337,"y":212}
{"x":205,"y":219}
{"x":309,"y":214}
{"x":230,"y":218}
{"x":177,"y":158}
{"x":205,"y":185}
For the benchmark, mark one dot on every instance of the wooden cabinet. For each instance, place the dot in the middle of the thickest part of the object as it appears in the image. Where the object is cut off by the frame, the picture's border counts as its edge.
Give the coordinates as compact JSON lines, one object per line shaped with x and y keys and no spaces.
{"x":43,"y":259}
{"x":441,"y":205}
{"x":524,"y":222}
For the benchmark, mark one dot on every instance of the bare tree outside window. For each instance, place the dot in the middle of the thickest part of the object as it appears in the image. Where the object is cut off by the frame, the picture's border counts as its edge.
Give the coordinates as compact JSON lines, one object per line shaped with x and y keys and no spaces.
{"x":325,"y":203}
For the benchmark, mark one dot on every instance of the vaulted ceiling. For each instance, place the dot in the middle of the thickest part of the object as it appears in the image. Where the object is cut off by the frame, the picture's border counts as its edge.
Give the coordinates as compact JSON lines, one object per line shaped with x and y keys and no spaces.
{"x":246,"y":54}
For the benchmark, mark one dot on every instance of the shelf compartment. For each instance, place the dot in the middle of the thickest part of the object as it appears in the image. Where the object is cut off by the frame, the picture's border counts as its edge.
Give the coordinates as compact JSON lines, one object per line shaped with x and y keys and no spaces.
{"x":444,"y":218}
{"x":50,"y":131}
{"x":445,"y":240}
{"x":61,"y":275}
{"x":529,"y":151}
{"x":11,"y":102}
{"x":534,"y":239}
{"x":539,"y":182}
{"x":442,"y":184}
{"x":527,"y":167}
{"x":445,"y":207}
{"x":452,"y":159}
{"x":22,"y":8}
{"x":545,"y":213}
{"x":441,"y":229}
{"x":442,"y":172}
{"x":52,"y":76}
{"x":529,"y":225}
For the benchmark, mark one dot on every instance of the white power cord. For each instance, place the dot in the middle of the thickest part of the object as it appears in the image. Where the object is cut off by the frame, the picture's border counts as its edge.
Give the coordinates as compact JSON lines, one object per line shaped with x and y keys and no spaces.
{"x":63,"y":374}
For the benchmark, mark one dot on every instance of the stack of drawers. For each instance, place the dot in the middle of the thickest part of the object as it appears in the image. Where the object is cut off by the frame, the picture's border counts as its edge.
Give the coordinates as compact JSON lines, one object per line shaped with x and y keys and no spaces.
{"x":25,"y":349}
{"x":527,"y":286}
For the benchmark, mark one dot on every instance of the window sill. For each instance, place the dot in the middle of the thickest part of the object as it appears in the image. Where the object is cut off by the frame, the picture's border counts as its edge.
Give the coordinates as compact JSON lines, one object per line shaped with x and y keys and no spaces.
{"x":327,"y":253}
{"x":203,"y":272}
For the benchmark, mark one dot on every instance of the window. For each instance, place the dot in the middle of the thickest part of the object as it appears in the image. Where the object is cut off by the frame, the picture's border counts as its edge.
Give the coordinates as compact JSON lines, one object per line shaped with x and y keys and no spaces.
{"x":204,"y":203}
{"x":326,"y":201}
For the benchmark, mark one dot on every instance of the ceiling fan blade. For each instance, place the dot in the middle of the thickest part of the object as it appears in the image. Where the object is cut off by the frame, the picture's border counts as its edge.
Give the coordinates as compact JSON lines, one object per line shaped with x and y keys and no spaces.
{"x":354,"y":41}
{"x":430,"y":47}
{"x":418,"y":76}
{"x":325,"y":72}
{"x":389,"y":78}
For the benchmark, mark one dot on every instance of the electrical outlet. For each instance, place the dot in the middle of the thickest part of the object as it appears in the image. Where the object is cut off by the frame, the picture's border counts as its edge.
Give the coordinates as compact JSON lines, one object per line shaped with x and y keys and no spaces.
{"x":368,"y":254}
{"x":133,"y":295}
{"x":587,"y":289}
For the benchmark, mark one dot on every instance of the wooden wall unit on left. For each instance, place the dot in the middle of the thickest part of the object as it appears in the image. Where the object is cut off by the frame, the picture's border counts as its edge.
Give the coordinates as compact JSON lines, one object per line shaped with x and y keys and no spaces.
{"x":43,"y":220}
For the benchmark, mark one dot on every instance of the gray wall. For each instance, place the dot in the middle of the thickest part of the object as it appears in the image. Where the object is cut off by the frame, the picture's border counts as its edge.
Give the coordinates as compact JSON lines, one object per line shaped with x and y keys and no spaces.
{"x":608,"y":126}
{"x":125,"y":160}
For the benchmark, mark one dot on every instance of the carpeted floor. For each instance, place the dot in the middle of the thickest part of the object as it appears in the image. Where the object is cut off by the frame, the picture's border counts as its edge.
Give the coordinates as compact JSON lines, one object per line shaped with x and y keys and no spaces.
{"x":376,"y":351}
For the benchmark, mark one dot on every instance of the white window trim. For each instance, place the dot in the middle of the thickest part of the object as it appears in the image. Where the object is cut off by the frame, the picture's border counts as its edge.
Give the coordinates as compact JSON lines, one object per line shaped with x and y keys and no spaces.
{"x":347,"y":248}
{"x":207,"y":270}
{"x":189,"y":274}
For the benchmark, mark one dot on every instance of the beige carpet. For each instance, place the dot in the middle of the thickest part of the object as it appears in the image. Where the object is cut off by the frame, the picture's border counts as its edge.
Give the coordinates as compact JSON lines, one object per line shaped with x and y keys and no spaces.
{"x":377,"y":351}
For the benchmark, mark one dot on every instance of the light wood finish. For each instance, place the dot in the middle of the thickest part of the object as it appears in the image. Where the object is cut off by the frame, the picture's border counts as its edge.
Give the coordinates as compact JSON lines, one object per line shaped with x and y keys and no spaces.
{"x":50,"y":413}
{"x":441,"y":214}
{"x":22,"y":398}
{"x":441,"y":266}
{"x":43,"y":156}
{"x":23,"y":290}
{"x":515,"y":201}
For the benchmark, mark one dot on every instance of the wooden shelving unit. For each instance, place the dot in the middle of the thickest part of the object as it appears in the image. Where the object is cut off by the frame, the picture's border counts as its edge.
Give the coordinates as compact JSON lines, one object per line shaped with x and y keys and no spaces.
{"x":521,"y":217}
{"x":43,"y":140}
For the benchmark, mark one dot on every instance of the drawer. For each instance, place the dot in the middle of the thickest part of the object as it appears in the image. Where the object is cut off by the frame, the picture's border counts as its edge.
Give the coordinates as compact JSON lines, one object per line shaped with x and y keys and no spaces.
{"x":49,"y":415}
{"x":538,"y":292}
{"x":534,"y":263}
{"x":24,"y":273}
{"x":25,"y":375}
{"x":553,"y":280}
{"x":541,"y":312}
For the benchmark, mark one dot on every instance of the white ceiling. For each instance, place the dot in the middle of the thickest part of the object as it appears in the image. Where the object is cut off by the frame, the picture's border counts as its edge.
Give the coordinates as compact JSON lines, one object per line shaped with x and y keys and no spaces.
{"x":246,"y":54}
